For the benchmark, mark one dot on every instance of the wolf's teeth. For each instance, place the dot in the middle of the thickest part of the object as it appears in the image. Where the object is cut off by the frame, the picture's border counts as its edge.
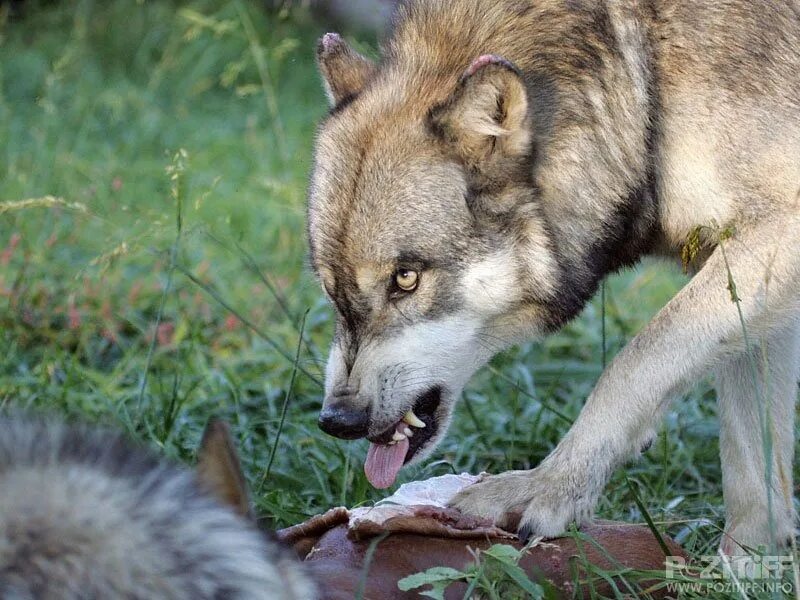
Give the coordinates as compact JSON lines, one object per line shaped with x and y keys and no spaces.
{"x":392,"y":443}
{"x":407,"y":431}
{"x":413,"y":419}
{"x":398,"y":437}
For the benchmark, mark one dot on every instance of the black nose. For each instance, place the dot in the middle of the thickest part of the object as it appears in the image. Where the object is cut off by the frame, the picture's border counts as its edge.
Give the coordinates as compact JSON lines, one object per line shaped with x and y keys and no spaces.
{"x":343,"y":421}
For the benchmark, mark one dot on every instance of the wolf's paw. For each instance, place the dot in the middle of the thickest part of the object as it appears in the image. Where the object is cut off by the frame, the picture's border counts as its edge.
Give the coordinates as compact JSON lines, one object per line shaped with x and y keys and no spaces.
{"x":752,"y":530}
{"x":543,"y":501}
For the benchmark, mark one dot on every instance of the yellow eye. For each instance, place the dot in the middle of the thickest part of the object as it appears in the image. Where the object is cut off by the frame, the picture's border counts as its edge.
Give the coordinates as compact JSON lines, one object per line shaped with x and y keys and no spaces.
{"x":406,"y":279}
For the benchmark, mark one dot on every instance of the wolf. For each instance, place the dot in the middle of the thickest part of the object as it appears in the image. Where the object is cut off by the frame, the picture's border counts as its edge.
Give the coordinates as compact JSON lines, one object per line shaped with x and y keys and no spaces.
{"x":84,"y":513}
{"x":472,"y":188}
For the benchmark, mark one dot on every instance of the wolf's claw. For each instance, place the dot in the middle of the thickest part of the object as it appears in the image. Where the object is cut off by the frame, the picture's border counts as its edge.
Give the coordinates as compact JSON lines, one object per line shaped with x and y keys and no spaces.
{"x":524,"y":534}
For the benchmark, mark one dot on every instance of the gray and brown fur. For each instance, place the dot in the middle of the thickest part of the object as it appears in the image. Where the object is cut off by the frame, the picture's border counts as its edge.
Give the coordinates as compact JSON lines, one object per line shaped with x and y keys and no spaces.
{"x":85,"y":513}
{"x":515,"y":152}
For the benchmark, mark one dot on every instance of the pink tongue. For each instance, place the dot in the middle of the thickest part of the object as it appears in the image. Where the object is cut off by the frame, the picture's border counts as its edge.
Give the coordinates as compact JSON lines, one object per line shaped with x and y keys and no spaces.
{"x":384,"y":462}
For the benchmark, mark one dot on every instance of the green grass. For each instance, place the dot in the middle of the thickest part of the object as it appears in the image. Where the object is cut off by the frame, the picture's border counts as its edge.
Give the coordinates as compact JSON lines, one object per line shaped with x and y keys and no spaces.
{"x":140,"y":116}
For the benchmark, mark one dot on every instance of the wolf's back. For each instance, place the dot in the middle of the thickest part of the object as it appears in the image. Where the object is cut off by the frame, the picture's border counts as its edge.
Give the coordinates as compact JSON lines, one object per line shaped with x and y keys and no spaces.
{"x":85,"y":514}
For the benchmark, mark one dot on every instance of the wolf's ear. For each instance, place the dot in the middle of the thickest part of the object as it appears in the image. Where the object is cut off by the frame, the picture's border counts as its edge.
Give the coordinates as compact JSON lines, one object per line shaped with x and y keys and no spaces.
{"x":487,"y":112}
{"x":219,"y":470}
{"x":344,"y":71}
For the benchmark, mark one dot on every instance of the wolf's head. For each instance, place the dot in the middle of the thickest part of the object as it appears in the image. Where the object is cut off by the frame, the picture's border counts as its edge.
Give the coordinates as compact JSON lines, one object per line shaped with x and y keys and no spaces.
{"x":85,"y":513}
{"x":424,"y":238}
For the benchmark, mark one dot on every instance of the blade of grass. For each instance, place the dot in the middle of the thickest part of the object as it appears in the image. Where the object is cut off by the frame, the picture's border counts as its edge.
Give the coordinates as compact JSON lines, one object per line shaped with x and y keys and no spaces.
{"x":175,"y":171}
{"x":368,"y":557}
{"x":43,"y":202}
{"x":619,"y":570}
{"x":524,"y":392}
{"x":285,"y":407}
{"x":478,"y":577}
{"x":647,"y":517}
{"x":257,"y":51}
{"x":762,"y":398}
{"x":247,"y":322}
{"x":250,"y":263}
{"x":603,"y":345}
{"x":573,"y":531}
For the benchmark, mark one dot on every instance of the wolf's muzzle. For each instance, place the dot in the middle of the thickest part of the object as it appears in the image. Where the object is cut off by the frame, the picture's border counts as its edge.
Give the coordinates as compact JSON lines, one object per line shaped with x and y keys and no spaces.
{"x":343,"y":421}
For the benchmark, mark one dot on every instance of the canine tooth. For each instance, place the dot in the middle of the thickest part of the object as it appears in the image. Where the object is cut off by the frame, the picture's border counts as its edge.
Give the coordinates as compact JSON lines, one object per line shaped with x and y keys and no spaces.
{"x":392,"y":443}
{"x":413,"y":419}
{"x":398,"y":437}
{"x":407,"y":431}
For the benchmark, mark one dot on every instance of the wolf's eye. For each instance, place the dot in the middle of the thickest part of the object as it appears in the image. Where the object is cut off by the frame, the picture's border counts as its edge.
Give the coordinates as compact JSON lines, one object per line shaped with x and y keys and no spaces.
{"x":406,"y":279}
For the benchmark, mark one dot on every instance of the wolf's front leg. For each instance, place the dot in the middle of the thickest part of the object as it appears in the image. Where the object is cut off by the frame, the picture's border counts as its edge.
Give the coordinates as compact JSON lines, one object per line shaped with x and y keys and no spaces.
{"x":695,"y":331}
{"x":756,"y":396}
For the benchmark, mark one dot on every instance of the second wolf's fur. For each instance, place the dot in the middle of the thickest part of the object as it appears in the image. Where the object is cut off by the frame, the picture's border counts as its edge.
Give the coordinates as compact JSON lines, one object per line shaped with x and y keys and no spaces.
{"x":86,"y":514}
{"x":510,"y":154}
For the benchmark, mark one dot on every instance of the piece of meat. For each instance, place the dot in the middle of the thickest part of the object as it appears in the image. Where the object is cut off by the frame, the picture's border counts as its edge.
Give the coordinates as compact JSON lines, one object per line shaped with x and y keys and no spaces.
{"x":338,"y":561}
{"x":420,"y":536}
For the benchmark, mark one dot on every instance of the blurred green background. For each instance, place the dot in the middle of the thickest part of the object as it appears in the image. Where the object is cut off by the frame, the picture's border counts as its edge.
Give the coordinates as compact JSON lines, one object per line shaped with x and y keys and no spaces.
{"x":153,"y":165}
